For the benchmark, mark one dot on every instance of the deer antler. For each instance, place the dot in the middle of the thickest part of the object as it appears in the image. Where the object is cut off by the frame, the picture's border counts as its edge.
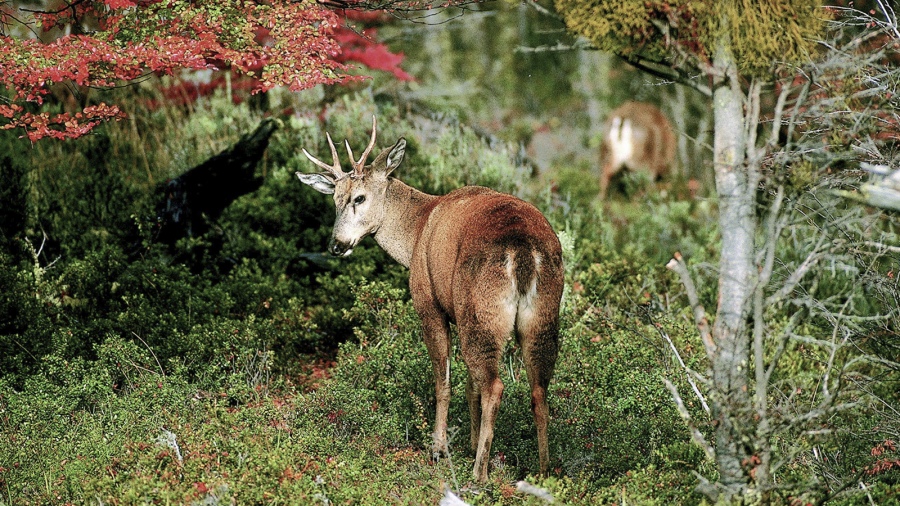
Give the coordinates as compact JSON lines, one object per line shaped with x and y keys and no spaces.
{"x":335,"y":169}
{"x":359,"y":164}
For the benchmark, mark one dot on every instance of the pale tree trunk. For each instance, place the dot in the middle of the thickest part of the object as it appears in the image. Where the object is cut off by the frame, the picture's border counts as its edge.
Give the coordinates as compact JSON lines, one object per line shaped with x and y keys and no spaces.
{"x":679,"y":117}
{"x":735,"y":185}
{"x":751,"y":409}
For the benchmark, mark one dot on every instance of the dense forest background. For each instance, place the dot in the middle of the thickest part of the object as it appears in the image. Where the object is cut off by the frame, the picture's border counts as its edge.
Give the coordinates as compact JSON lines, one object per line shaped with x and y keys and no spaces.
{"x":240,"y":364}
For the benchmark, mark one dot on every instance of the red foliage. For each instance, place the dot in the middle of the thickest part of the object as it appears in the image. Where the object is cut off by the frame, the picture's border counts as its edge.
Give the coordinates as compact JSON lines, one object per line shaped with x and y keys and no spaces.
{"x":356,"y":46}
{"x":885,"y":463}
{"x":362,"y":47}
{"x":278,"y":43}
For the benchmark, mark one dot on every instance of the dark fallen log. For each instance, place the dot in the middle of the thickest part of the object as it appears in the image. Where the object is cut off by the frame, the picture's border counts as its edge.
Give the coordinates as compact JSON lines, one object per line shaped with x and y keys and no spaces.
{"x":13,"y":202}
{"x":190,"y":204}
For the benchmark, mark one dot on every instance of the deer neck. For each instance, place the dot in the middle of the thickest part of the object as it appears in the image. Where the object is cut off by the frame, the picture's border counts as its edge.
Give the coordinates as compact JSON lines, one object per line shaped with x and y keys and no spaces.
{"x":404,"y":207}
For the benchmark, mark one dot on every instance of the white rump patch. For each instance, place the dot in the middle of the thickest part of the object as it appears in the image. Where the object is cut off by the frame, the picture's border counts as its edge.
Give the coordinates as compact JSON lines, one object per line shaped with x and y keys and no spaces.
{"x":525,"y":308}
{"x":621,"y":141}
{"x":508,"y":265}
{"x":511,"y":302}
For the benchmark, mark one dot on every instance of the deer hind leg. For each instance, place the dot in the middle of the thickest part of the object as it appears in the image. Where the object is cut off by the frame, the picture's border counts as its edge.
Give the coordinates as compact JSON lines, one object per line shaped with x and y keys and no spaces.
{"x":473,"y":396}
{"x":491,"y":394}
{"x":606,"y":174}
{"x":537,"y":329}
{"x":484,"y":326}
{"x":481,"y":351}
{"x":437,"y":341}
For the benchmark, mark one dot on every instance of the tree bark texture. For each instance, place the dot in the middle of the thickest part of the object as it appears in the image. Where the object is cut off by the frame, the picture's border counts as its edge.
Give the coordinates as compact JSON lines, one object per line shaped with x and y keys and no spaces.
{"x":737,"y":222}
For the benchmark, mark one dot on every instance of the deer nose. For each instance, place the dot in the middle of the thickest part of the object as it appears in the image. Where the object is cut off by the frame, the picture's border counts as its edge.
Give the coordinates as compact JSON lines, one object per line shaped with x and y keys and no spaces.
{"x":338,"y":248}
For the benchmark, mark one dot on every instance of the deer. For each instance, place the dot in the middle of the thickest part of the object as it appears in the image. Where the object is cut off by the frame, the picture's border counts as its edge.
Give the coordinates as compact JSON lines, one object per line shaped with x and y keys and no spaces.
{"x":485,"y":261}
{"x":638,"y":137}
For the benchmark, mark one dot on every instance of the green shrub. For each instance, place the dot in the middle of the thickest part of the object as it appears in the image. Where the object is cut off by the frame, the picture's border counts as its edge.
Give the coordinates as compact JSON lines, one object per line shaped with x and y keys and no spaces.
{"x":612,"y":411}
{"x":387,"y":368}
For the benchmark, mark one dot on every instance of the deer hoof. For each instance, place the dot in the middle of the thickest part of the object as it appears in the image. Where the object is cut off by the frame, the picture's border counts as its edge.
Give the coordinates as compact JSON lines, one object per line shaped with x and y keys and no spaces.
{"x":439,"y":449}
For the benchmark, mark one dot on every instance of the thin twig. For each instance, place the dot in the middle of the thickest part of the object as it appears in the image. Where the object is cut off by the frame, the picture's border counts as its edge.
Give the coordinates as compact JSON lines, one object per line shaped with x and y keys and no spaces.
{"x":686,"y":416}
{"x":799,"y":273}
{"x":677,"y":264}
{"x":163,"y":373}
{"x":543,"y":10}
{"x":687,"y":370}
{"x":558,"y":47}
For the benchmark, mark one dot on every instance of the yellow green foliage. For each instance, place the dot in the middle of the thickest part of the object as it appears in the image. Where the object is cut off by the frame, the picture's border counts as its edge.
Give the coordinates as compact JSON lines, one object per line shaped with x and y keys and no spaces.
{"x":762,"y":32}
{"x":774,"y":31}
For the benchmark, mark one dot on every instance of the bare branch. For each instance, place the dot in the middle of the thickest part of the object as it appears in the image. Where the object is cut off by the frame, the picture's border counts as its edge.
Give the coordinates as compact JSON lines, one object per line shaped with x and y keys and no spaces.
{"x":800,"y":272}
{"x":786,"y":89}
{"x":579,"y":45}
{"x":696,"y":435}
{"x":890,"y":18}
{"x":772,"y":232}
{"x":543,"y":10}
{"x":782,"y":344}
{"x":161,"y":371}
{"x":686,"y":58}
{"x":688,"y":372}
{"x":677,"y":264}
{"x":751,"y":124}
{"x":819,"y":412}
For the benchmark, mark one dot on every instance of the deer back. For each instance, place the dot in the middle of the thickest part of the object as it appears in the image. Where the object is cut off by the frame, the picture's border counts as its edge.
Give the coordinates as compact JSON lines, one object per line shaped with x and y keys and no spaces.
{"x":639,"y":137}
{"x":474,"y":236}
{"x":488,"y":261}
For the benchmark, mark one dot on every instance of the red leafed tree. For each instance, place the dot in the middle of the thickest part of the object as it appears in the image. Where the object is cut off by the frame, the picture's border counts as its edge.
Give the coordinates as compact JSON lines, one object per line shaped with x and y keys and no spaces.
{"x":105,"y":43}
{"x":364,"y":48}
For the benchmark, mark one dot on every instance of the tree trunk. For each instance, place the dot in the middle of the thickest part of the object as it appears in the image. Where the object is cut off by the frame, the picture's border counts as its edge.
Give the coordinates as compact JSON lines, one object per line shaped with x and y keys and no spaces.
{"x":735,"y":186}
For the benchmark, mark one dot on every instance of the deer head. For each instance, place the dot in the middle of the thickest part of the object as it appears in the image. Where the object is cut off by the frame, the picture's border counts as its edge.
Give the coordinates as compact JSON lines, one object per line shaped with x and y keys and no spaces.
{"x":359,"y":195}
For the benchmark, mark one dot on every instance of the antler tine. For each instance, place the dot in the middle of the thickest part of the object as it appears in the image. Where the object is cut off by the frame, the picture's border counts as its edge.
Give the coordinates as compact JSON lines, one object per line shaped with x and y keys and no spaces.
{"x":350,"y":153}
{"x":362,"y":158}
{"x":334,"y":169}
{"x":359,"y":164}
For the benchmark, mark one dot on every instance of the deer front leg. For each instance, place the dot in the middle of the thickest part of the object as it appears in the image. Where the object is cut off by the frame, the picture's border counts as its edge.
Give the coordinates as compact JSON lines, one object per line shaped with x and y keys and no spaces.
{"x":606,"y":174}
{"x":437,"y":340}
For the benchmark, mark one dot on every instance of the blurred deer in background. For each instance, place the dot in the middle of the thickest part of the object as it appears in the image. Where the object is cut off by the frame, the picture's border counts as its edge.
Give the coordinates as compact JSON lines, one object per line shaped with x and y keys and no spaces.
{"x":484,"y":260}
{"x":637,"y":136}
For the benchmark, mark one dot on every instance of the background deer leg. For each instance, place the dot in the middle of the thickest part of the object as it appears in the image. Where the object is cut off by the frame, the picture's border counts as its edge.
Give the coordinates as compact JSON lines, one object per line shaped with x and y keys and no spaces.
{"x":606,"y":173}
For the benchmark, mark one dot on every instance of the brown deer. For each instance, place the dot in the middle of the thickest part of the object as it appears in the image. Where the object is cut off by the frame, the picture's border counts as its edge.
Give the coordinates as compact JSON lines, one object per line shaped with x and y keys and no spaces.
{"x":486,"y":261}
{"x":637,"y":136}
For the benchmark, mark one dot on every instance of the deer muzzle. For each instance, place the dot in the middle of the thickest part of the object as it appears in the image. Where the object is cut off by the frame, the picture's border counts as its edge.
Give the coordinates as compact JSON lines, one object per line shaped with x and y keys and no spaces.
{"x":339,"y":248}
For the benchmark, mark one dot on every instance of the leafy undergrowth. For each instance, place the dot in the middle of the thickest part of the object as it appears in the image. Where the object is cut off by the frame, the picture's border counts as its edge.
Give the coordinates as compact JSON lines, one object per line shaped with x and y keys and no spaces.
{"x":354,"y":431}
{"x":165,"y":443}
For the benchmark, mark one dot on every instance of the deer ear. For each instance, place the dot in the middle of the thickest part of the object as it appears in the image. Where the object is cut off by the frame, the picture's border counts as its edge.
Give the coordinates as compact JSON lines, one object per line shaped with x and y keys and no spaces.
{"x":395,"y":156}
{"x":322,"y":182}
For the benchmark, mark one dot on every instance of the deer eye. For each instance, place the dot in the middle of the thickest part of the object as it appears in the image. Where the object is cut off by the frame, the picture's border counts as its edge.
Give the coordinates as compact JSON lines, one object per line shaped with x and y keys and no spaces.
{"x":359,"y":199}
